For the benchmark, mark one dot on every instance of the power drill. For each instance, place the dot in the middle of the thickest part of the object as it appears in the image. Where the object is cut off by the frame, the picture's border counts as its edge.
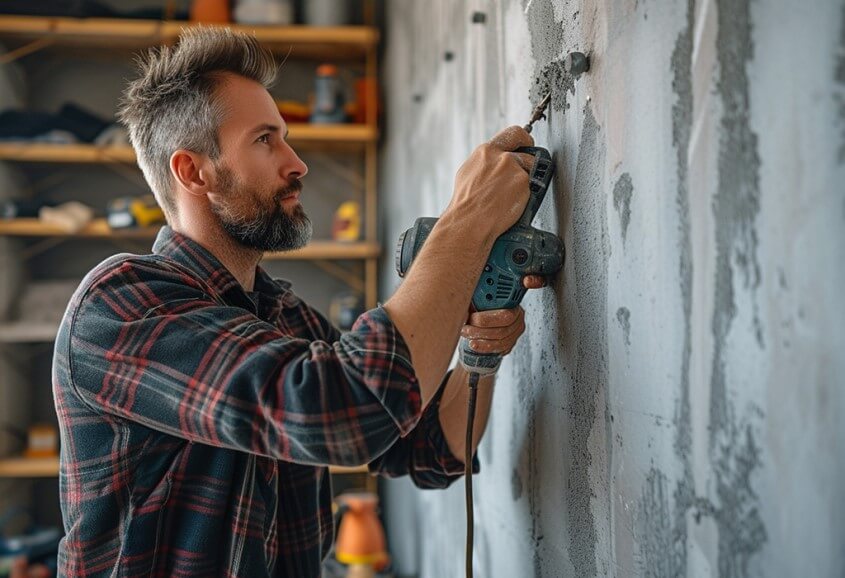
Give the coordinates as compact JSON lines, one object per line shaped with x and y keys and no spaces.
{"x":521,"y":250}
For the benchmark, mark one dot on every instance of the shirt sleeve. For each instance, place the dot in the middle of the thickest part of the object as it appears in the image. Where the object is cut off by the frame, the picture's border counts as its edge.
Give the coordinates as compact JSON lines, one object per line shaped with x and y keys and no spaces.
{"x":148,"y":343}
{"x":424,"y":454}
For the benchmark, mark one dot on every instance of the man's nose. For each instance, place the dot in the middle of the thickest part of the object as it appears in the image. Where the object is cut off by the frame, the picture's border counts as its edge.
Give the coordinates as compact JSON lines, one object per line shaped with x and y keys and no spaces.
{"x":292,"y":166}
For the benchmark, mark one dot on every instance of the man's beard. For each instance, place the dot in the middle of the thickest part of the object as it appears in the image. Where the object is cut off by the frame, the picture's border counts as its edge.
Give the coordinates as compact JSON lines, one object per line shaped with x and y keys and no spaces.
{"x":271,"y":228}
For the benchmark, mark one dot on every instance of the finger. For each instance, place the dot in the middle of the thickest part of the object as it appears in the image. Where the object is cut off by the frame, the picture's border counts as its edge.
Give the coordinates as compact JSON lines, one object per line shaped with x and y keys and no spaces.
{"x":512,"y":138}
{"x":492,"y":333}
{"x":495,"y":317}
{"x":497,"y":346}
{"x":472,"y":331}
{"x":525,"y":160}
{"x":534,"y":281}
{"x":486,"y":346}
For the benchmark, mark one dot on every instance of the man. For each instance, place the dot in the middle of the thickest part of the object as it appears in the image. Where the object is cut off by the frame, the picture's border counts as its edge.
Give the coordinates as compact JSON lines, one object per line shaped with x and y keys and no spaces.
{"x":201,"y":401}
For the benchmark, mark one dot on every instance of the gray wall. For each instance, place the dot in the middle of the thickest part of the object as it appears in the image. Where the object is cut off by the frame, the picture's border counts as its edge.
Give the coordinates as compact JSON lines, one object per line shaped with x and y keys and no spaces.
{"x":674,"y":406}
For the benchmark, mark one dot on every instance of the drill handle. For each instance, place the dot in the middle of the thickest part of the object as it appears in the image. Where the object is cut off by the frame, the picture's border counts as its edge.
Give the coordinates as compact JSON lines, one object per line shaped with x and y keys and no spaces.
{"x":539,"y":180}
{"x":480,"y":363}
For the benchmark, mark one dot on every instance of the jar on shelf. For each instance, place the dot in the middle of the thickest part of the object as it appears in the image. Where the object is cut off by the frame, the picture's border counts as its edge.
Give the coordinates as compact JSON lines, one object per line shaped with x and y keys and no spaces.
{"x":264,"y":12}
{"x":329,"y":97}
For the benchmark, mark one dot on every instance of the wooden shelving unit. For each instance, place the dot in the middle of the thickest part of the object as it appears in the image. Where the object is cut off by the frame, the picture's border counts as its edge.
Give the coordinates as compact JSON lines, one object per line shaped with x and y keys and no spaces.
{"x":49,"y":468}
{"x":25,"y":35}
{"x":31,"y":34}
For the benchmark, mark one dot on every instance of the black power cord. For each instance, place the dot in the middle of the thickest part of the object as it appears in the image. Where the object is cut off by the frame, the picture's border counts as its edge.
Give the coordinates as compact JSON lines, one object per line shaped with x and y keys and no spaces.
{"x":473,"y":394}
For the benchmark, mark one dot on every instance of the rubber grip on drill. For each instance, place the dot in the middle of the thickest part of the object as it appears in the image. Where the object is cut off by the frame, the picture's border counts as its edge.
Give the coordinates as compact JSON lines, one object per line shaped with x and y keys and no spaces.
{"x":480,"y":363}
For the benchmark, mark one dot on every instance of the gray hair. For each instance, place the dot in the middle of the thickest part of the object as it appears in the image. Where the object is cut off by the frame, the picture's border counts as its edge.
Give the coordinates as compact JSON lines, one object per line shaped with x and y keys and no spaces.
{"x":172,"y":104}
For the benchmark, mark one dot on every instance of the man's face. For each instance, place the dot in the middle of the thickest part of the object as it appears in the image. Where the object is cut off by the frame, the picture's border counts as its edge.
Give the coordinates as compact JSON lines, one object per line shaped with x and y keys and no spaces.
{"x":256,"y":189}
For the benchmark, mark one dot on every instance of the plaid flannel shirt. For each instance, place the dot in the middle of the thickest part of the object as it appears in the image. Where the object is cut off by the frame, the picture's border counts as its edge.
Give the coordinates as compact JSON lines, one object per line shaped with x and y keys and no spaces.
{"x":198,"y":420}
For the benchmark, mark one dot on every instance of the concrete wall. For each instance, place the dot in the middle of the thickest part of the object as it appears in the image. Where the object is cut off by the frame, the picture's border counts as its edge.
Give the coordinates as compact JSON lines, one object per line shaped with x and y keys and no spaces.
{"x":674,"y":406}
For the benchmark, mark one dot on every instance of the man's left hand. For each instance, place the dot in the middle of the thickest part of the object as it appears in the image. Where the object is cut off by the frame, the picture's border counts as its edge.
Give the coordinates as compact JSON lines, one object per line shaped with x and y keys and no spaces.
{"x":494,"y":331}
{"x":498,"y":330}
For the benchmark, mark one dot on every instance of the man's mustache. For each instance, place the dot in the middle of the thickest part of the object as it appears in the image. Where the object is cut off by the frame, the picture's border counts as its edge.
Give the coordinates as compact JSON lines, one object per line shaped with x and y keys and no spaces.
{"x":294,"y":186}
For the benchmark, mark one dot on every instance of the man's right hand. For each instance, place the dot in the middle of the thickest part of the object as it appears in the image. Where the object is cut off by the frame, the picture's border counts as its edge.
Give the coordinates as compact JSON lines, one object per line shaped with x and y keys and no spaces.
{"x":491,"y":187}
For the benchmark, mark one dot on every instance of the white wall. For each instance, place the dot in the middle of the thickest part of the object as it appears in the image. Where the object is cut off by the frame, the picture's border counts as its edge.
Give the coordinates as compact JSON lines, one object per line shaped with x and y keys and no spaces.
{"x":673,"y":408}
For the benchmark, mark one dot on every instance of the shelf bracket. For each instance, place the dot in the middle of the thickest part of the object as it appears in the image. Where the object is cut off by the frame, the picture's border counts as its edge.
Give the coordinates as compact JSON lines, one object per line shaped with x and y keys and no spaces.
{"x":349,"y":175}
{"x":48,"y":243}
{"x":40,"y":247}
{"x":26,"y":49}
{"x":338,"y":272}
{"x":128,"y":172}
{"x":138,"y":247}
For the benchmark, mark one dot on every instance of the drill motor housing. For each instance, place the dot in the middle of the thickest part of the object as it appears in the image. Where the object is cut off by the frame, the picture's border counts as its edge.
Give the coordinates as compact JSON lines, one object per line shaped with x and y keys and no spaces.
{"x":521,"y":250}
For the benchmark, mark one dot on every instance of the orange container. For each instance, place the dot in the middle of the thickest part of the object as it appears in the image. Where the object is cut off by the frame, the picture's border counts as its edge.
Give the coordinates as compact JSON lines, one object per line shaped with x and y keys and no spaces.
{"x":363,"y":88}
{"x":212,"y":11}
{"x":360,"y":537}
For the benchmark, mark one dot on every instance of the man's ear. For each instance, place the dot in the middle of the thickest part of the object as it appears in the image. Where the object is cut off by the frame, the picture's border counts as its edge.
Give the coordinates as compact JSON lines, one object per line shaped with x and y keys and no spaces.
{"x":192,"y":171}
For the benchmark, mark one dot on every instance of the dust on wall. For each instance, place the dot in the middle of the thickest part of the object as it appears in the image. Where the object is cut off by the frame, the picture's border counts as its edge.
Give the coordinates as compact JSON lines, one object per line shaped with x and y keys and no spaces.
{"x":672,"y":408}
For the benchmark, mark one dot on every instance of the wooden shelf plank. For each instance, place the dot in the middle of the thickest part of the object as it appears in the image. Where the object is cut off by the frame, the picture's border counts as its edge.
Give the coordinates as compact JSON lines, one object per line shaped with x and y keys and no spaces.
{"x":29,"y":467}
{"x":333,"y":42}
{"x":328,"y":133}
{"x":65,"y":153}
{"x":98,"y":228}
{"x":302,"y":135}
{"x":329,"y":251}
{"x":340,"y":470}
{"x":28,"y":332}
{"x":49,"y":467}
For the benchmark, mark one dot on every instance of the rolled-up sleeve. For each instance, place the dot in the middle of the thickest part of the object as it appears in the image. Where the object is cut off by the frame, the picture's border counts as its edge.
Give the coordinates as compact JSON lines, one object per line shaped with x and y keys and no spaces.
{"x":424,"y":454}
{"x":152,"y":345}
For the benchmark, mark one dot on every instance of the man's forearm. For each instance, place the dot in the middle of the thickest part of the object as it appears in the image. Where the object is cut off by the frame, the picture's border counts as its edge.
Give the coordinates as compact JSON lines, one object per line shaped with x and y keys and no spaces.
{"x":430,"y":307}
{"x":453,"y":410}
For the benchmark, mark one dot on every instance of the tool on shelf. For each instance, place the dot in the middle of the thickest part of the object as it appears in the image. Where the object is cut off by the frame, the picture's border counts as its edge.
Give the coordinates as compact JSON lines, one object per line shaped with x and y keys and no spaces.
{"x":129,"y":212}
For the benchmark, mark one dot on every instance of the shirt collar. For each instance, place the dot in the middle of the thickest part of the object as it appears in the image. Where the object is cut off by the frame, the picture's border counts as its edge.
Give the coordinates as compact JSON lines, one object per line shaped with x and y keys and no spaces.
{"x":201,"y":261}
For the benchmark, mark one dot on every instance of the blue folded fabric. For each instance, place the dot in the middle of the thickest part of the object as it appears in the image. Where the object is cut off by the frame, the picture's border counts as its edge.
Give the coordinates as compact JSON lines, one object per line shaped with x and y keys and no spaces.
{"x":71,"y":118}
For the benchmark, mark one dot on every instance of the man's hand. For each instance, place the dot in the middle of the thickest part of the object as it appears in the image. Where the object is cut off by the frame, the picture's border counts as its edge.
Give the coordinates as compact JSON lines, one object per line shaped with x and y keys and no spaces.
{"x":494,"y":332}
{"x":491,"y":187}
{"x":497,"y":331}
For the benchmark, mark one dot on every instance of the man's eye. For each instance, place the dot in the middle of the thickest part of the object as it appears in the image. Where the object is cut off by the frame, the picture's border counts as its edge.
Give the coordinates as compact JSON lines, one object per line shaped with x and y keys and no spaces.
{"x":265,"y":138}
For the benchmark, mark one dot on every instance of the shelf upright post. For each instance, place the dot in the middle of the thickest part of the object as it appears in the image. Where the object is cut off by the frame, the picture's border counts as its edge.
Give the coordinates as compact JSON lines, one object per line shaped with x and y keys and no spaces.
{"x":371,"y":172}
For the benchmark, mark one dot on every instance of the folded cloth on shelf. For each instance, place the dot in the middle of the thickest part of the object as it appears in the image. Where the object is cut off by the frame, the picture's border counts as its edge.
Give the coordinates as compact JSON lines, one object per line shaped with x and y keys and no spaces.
{"x":71,"y":118}
{"x":71,"y":216}
{"x":85,"y":9}
{"x":114,"y":135}
{"x":70,"y":8}
{"x":22,"y":208}
{"x":25,"y":123}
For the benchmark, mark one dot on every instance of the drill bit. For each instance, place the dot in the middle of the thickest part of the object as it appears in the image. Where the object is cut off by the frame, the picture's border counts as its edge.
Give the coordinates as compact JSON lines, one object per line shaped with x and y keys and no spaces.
{"x":539,"y":112}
